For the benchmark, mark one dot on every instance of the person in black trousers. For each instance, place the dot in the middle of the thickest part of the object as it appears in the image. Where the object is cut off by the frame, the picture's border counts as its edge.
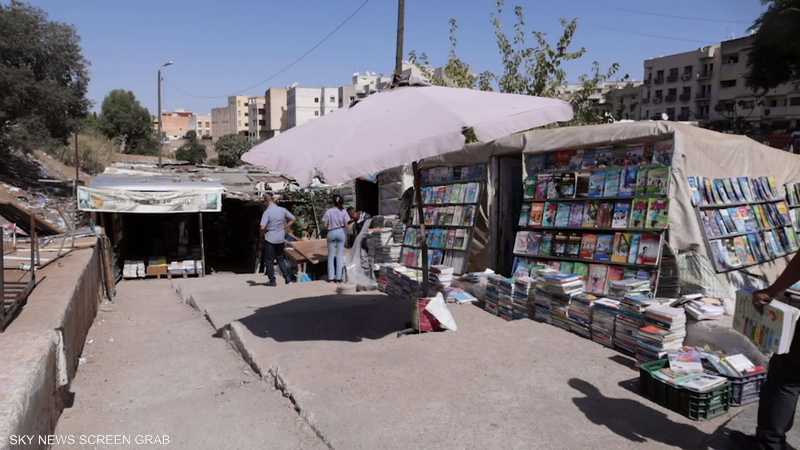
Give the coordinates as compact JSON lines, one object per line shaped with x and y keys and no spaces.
{"x":779,"y":394}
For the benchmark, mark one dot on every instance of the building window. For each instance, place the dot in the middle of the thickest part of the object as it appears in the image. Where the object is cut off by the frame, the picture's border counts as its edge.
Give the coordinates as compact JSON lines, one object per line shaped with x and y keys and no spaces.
{"x":670,"y":113}
{"x":333,"y":99}
{"x":316,"y":113}
{"x":727,"y":83}
{"x":794,"y":101}
{"x":688,"y":69}
{"x":316,"y":99}
{"x":730,"y":59}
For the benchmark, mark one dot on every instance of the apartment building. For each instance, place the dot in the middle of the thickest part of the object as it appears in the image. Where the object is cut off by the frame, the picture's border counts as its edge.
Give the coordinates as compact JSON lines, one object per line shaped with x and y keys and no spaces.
{"x":276,"y":112}
{"x":681,"y":86}
{"x":256,"y":124}
{"x":175,"y":124}
{"x":305,"y":103}
{"x":368,"y":83}
{"x":620,"y":99}
{"x":347,"y":95}
{"x":232,"y":118}
{"x":202,"y":126}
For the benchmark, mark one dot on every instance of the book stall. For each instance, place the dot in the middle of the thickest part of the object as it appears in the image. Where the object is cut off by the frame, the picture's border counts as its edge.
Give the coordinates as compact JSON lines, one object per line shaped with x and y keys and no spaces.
{"x":604,"y":207}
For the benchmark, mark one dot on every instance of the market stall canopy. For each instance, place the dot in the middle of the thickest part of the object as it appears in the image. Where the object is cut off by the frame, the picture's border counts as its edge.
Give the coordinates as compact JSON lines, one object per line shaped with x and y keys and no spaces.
{"x":150,"y":194}
{"x":397,"y":127}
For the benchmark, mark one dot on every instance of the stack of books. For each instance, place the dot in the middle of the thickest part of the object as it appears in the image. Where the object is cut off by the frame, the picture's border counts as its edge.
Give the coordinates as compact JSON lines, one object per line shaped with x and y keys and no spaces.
{"x":402,"y":282}
{"x":499,"y":291}
{"x":520,"y":298}
{"x":541,"y":305}
{"x":621,"y":288}
{"x":441,"y":276}
{"x":559,"y":311}
{"x":562,"y":283}
{"x":664,"y":331}
{"x":604,"y":314}
{"x":398,"y":231}
{"x":629,"y":320}
{"x":704,"y":308}
{"x":580,"y":314}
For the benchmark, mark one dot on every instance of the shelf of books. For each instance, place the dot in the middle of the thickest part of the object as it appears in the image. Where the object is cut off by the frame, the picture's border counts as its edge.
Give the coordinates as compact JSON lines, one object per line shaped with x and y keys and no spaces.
{"x":745,"y":220}
{"x":601,"y":213}
{"x":793,"y":201}
{"x":451,"y":198}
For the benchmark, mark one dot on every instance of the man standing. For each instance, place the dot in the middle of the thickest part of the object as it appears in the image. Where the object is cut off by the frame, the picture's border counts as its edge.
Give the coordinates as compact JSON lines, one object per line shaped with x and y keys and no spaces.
{"x":778,"y":398}
{"x":275,"y":221}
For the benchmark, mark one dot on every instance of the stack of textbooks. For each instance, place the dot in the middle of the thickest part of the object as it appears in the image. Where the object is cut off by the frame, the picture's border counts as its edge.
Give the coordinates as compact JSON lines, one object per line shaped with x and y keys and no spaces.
{"x":562,"y":283}
{"x":664,"y":331}
{"x":703,"y":308}
{"x":499,"y":292}
{"x":580,"y":314}
{"x":621,"y":288}
{"x":381,"y":246}
{"x":441,"y":276}
{"x":559,"y":311}
{"x":604,"y":314}
{"x":521,"y":295}
{"x":541,"y":305}
{"x":402,"y":282}
{"x":630,"y":319}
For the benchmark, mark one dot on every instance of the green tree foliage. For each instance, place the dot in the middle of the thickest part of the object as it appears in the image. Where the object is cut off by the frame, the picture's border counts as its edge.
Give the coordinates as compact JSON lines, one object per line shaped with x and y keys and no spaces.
{"x":125,"y":120}
{"x":192,"y":151}
{"x":456,"y":73}
{"x":775,"y":56}
{"x":230,"y":149}
{"x":43,"y":78}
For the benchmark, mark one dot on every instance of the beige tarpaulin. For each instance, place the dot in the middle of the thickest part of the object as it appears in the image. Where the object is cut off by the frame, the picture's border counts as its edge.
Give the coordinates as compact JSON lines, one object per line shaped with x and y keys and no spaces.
{"x":698,"y":152}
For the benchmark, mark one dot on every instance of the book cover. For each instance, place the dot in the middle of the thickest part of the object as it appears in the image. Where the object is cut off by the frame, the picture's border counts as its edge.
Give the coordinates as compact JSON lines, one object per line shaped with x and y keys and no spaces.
{"x":773,"y":186}
{"x":588,"y":244}
{"x":596,"y":183}
{"x":783,"y":212}
{"x":726,"y":182}
{"x":534,"y":241}
{"x":559,"y":244}
{"x":621,"y":247}
{"x":612,"y":182}
{"x":582,"y":185}
{"x":576,"y":215}
{"x":633,"y":252}
{"x":641,"y":181}
{"x":737,"y":190}
{"x":731,"y":256}
{"x":562,"y":215}
{"x":744,"y":186}
{"x":755,"y":247}
{"x":604,"y":157}
{"x":747,"y":217}
{"x":772,"y":330}
{"x":524,"y":214}
{"x":566,"y":267}
{"x":472,"y":192}
{"x":566,"y":185}
{"x":742,"y":250}
{"x":658,"y":180}
{"x":605,"y":211}
{"x":536,"y":214}
{"x":589,"y":160}
{"x":604,"y":247}
{"x":628,"y":186}
{"x":657,"y":213}
{"x":620,"y":215}
{"x":736,"y":218}
{"x":576,"y":160}
{"x":694,"y":191}
{"x":614,"y":273}
{"x":561,"y":158}
{"x":573,"y":245}
{"x":546,"y":246}
{"x":706,"y":221}
{"x":662,"y":152}
{"x":638,"y":213}
{"x":535,"y":163}
{"x":648,"y":249}
{"x":582,"y":270}
{"x":590,"y":215}
{"x":710,"y":193}
{"x":634,"y":155}
{"x":597,"y":278}
{"x":542,"y":181}
{"x":755,"y":186}
{"x":468,"y":217}
{"x":730,"y":227}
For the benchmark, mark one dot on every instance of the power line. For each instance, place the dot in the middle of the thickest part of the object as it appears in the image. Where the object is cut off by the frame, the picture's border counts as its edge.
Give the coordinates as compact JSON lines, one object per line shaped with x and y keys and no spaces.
{"x":672,"y":16}
{"x":287,"y":66}
{"x":653,"y":36}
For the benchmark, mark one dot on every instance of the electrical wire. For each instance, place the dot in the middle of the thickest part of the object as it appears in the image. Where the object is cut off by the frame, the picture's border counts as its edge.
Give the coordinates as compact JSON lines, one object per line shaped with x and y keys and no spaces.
{"x":672,"y":16}
{"x":286,"y":67}
{"x":648,"y":35}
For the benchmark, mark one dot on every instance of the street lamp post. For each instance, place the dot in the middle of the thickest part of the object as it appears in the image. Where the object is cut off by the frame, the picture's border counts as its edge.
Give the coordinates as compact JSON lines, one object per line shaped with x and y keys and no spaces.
{"x":160,"y":80}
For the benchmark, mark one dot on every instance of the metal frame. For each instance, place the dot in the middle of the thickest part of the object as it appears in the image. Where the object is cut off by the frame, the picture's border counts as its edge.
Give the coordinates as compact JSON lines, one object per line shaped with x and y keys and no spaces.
{"x":14,"y":294}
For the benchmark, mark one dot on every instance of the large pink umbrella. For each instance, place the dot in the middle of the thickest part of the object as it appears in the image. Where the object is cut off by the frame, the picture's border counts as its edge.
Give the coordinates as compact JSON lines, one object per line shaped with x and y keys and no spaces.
{"x":400,"y":126}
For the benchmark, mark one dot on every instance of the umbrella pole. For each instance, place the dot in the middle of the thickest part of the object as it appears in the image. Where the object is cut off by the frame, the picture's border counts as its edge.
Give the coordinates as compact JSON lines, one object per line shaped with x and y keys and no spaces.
{"x":423,"y":243}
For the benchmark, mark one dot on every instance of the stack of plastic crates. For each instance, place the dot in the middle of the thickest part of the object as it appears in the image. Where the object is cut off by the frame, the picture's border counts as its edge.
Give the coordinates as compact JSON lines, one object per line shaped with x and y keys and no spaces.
{"x":746,"y":390}
{"x":694,"y":405}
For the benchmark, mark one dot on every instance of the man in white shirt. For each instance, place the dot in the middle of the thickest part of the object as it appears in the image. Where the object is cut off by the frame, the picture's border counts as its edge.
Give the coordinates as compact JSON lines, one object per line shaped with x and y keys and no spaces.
{"x":275,"y":221}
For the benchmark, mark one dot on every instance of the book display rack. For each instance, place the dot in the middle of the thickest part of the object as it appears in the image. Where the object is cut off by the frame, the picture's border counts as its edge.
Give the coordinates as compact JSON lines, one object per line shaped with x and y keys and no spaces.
{"x":745,"y":220}
{"x":451,"y":199}
{"x":601,"y":213}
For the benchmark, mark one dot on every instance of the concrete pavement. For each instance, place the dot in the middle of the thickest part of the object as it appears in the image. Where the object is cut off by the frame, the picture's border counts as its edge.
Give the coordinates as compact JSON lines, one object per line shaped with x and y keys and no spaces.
{"x":152,"y":367}
{"x":492,"y":384}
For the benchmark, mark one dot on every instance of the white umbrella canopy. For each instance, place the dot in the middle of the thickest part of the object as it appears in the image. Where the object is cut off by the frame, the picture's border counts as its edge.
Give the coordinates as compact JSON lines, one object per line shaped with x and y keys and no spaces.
{"x":397,"y":127}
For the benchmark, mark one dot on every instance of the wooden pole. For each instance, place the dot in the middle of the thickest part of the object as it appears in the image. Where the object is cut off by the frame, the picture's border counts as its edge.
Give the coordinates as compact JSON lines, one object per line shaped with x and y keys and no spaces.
{"x":202,"y":245}
{"x":423,"y":243}
{"x":401,"y":25}
{"x":77,"y":167}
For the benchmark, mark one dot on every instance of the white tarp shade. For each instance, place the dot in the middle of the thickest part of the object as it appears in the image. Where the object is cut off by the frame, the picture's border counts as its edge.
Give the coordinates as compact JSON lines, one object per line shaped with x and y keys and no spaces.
{"x":150,"y":194}
{"x":697,"y":152}
{"x":397,"y":127}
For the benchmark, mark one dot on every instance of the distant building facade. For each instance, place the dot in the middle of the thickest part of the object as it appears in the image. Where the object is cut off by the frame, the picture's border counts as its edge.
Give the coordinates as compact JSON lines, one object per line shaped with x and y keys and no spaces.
{"x":305,"y":103}
{"x":175,"y":124}
{"x":368,"y":83}
{"x":256,"y":124}
{"x":276,"y":112}
{"x":202,"y":126}
{"x":232,"y":118}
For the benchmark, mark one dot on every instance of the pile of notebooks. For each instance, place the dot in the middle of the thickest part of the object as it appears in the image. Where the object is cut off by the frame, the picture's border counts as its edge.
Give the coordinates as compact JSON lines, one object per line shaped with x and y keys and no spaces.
{"x":630,"y":319}
{"x":664,"y":331}
{"x":580,"y":314}
{"x":604,"y":315}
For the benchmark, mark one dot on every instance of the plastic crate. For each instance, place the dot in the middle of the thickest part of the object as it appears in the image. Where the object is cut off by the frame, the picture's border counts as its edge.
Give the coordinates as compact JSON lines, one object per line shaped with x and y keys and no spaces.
{"x":746,"y":390}
{"x":694,"y":405}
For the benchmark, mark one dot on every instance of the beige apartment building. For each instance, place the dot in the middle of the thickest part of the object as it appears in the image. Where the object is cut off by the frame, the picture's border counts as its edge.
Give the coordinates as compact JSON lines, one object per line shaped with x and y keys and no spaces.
{"x":256,"y":125}
{"x":232,"y":118}
{"x":175,"y":124}
{"x":276,"y":112}
{"x":202,"y":126}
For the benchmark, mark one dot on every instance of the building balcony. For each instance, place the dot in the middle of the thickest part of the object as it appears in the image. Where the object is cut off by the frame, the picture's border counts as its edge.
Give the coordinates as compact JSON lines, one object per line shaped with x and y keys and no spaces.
{"x":703,"y":76}
{"x":647,"y":82}
{"x":686,"y":76}
{"x":645,"y":100}
{"x":670,"y":98}
{"x":701,"y":97}
{"x":658,"y":80}
{"x":685,"y":97}
{"x":672,"y":78}
{"x":657,"y":100}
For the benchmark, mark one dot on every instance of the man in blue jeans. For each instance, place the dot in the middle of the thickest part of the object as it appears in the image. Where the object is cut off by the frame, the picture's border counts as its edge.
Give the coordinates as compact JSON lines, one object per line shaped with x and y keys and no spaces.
{"x":275,"y":221}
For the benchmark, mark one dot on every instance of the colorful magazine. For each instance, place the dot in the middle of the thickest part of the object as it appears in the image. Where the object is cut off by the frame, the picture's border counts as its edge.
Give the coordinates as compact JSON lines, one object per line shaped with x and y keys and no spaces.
{"x":604,"y":247}
{"x":620,"y":215}
{"x":605,"y":213}
{"x":657,"y":213}
{"x":562,"y":215}
{"x":536,"y":214}
{"x":622,"y":246}
{"x":576,"y":215}
{"x":590,"y":215}
{"x":638,"y":213}
{"x":648,"y":249}
{"x":588,"y":244}
{"x":597,"y":183}
{"x":612,"y":182}
{"x":549,"y":217}
{"x":628,"y":186}
{"x":597,"y":278}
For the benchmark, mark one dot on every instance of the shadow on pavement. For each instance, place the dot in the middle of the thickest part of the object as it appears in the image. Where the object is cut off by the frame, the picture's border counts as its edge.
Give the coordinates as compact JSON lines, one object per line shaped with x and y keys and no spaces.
{"x":624,"y":361}
{"x":349,"y":318}
{"x":633,"y":420}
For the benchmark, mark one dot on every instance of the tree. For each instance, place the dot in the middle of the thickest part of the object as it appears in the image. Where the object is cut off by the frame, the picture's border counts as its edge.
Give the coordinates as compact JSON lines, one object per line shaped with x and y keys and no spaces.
{"x":230,"y":149}
{"x":43,"y":78}
{"x":775,"y":56}
{"x":192,"y":151}
{"x":125,"y":120}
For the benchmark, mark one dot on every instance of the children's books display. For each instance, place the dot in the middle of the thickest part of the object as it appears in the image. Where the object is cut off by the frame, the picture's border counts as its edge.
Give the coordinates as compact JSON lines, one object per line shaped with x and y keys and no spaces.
{"x":450,"y":201}
{"x":601,"y":213}
{"x":745,"y":220}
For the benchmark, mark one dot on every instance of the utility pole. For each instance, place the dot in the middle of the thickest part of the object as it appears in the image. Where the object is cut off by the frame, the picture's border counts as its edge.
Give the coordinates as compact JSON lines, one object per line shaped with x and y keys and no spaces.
{"x":77,"y":166}
{"x":401,"y":24}
{"x":160,"y":141}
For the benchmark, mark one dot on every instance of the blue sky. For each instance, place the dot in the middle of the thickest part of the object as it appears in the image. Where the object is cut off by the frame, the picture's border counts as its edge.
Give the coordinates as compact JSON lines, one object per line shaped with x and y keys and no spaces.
{"x":220,"y":48}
